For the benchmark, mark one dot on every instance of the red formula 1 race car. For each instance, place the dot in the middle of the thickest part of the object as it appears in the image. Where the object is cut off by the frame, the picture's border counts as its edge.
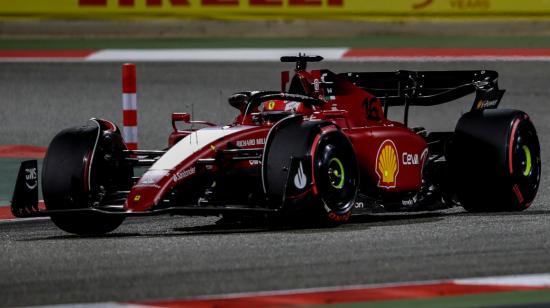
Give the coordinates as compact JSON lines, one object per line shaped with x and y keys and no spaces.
{"x":318,"y":151}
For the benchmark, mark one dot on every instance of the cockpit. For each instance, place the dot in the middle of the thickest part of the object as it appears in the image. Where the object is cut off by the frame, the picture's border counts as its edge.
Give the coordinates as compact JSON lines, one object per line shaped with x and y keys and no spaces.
{"x":270,"y":106}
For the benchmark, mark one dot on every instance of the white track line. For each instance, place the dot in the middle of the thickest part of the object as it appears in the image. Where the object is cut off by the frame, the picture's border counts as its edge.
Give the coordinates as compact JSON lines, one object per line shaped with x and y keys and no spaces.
{"x":14,"y":220}
{"x":261,"y":54}
{"x":97,"y":305}
{"x":212,"y":55}
{"x":536,"y":280}
{"x":447,"y":59}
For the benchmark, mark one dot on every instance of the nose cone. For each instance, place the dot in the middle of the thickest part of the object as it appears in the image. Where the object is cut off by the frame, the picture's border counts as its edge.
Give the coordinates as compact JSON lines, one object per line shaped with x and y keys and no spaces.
{"x":147,"y":192}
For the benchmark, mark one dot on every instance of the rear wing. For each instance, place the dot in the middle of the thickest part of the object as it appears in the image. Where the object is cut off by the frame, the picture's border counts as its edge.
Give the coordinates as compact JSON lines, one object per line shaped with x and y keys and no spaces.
{"x":429,"y":88}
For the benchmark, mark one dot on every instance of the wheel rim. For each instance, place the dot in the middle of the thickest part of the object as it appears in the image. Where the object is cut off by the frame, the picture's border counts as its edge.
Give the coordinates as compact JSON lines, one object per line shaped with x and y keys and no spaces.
{"x":525,"y":155}
{"x":336,"y":173}
{"x":526,"y":162}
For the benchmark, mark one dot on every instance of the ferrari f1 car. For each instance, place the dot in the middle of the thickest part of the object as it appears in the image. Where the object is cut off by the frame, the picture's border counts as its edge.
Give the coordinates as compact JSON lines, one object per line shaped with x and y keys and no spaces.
{"x":319,"y":150}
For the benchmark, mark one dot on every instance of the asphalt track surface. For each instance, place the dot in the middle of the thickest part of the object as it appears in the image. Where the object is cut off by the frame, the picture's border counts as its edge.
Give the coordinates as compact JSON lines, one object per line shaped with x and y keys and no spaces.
{"x":176,"y":257}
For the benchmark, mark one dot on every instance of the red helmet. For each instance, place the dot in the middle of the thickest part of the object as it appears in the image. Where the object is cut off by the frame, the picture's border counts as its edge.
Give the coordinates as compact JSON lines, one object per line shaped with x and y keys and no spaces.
{"x":285,"y":107}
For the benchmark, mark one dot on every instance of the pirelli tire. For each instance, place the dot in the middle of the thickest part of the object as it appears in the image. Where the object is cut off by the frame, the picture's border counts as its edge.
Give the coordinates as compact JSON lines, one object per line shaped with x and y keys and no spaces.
{"x":310,"y":170}
{"x":81,"y":166}
{"x":495,"y":156}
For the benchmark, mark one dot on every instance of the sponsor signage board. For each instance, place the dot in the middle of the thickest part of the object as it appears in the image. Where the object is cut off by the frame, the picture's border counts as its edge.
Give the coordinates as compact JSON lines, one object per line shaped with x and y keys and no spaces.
{"x":275,"y":9}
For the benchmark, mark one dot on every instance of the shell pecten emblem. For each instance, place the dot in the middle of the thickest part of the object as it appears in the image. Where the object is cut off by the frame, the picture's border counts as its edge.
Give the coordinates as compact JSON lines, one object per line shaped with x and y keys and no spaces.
{"x":387,"y":164}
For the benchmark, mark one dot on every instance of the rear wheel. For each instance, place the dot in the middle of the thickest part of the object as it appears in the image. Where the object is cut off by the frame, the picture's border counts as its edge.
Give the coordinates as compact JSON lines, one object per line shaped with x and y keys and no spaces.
{"x":496,"y":157}
{"x":83,"y":165}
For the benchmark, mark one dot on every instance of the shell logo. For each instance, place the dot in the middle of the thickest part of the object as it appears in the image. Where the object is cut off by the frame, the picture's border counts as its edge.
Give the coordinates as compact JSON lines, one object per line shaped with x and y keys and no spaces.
{"x":387,"y":164}
{"x":479,"y":105}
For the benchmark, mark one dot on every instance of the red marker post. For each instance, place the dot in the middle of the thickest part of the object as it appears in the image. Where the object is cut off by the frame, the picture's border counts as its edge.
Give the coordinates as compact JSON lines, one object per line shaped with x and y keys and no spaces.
{"x":129,"y":106}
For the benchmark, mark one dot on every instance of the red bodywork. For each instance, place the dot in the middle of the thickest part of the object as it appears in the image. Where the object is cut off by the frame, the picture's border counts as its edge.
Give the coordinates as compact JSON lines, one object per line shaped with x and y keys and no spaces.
{"x":390,"y":155}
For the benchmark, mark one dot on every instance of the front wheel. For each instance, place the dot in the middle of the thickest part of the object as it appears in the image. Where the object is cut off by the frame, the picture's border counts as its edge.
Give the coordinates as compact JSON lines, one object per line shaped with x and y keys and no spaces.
{"x":82,"y":166}
{"x":310,"y":171}
{"x":87,"y":224}
{"x":335,"y":176}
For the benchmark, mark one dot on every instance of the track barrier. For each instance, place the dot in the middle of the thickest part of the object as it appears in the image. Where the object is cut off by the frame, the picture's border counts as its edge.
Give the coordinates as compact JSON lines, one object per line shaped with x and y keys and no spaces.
{"x":129,"y":106}
{"x":275,"y":9}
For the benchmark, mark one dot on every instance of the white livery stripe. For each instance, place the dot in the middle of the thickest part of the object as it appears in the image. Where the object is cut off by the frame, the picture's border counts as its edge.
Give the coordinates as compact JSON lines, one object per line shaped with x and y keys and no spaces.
{"x":130,"y":134}
{"x":193,"y":143}
{"x":129,"y":101}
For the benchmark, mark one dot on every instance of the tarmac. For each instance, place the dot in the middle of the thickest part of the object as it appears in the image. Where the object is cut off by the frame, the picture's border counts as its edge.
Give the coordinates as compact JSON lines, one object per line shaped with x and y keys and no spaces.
{"x":175,"y":257}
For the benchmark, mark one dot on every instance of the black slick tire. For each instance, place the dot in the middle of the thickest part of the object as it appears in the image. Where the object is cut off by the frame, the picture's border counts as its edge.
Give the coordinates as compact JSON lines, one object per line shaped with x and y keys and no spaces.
{"x":496,"y":161}
{"x":310,"y":171}
{"x":82,"y":164}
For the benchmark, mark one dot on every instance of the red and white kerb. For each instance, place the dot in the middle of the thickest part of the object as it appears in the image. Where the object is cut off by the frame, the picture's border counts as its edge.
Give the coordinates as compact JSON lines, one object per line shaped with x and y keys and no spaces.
{"x":129,"y":106}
